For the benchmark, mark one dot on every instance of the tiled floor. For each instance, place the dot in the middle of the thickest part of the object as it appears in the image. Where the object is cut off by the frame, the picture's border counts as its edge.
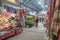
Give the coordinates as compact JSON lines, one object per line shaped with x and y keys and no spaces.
{"x":32,"y":34}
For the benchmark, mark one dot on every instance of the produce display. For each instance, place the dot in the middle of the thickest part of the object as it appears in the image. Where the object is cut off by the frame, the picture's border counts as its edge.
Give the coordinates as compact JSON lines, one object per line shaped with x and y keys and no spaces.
{"x":5,"y":25}
{"x":29,"y":20}
{"x":10,"y":24}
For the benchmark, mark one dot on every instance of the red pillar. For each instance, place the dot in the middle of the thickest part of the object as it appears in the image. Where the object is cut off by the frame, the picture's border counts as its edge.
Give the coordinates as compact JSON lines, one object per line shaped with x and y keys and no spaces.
{"x":59,"y":34}
{"x":53,"y":6}
{"x":20,"y":14}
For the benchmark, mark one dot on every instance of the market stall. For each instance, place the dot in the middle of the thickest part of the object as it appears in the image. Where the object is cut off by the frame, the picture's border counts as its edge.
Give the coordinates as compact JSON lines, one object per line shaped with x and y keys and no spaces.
{"x":56,"y":20}
{"x":52,"y":20}
{"x":29,"y":20}
{"x":10,"y":22}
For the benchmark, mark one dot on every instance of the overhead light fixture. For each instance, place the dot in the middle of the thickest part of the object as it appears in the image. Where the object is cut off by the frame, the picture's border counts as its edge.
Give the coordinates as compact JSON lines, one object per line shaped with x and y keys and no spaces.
{"x":39,"y":1}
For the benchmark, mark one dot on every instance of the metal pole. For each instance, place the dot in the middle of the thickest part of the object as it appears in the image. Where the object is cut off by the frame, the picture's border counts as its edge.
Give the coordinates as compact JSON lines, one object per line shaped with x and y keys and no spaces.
{"x":50,"y":20}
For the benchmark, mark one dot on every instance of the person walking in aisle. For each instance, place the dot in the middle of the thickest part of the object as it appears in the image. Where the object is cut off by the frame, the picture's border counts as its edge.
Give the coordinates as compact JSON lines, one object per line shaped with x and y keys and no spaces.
{"x":40,"y":19}
{"x":37,"y":22}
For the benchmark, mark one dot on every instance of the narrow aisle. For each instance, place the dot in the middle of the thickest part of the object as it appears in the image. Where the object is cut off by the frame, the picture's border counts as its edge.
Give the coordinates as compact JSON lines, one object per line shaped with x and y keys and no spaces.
{"x":31,"y":34}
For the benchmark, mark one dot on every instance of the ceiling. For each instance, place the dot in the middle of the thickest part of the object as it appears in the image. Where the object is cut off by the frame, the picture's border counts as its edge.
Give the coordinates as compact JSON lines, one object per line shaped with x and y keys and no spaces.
{"x":34,"y":5}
